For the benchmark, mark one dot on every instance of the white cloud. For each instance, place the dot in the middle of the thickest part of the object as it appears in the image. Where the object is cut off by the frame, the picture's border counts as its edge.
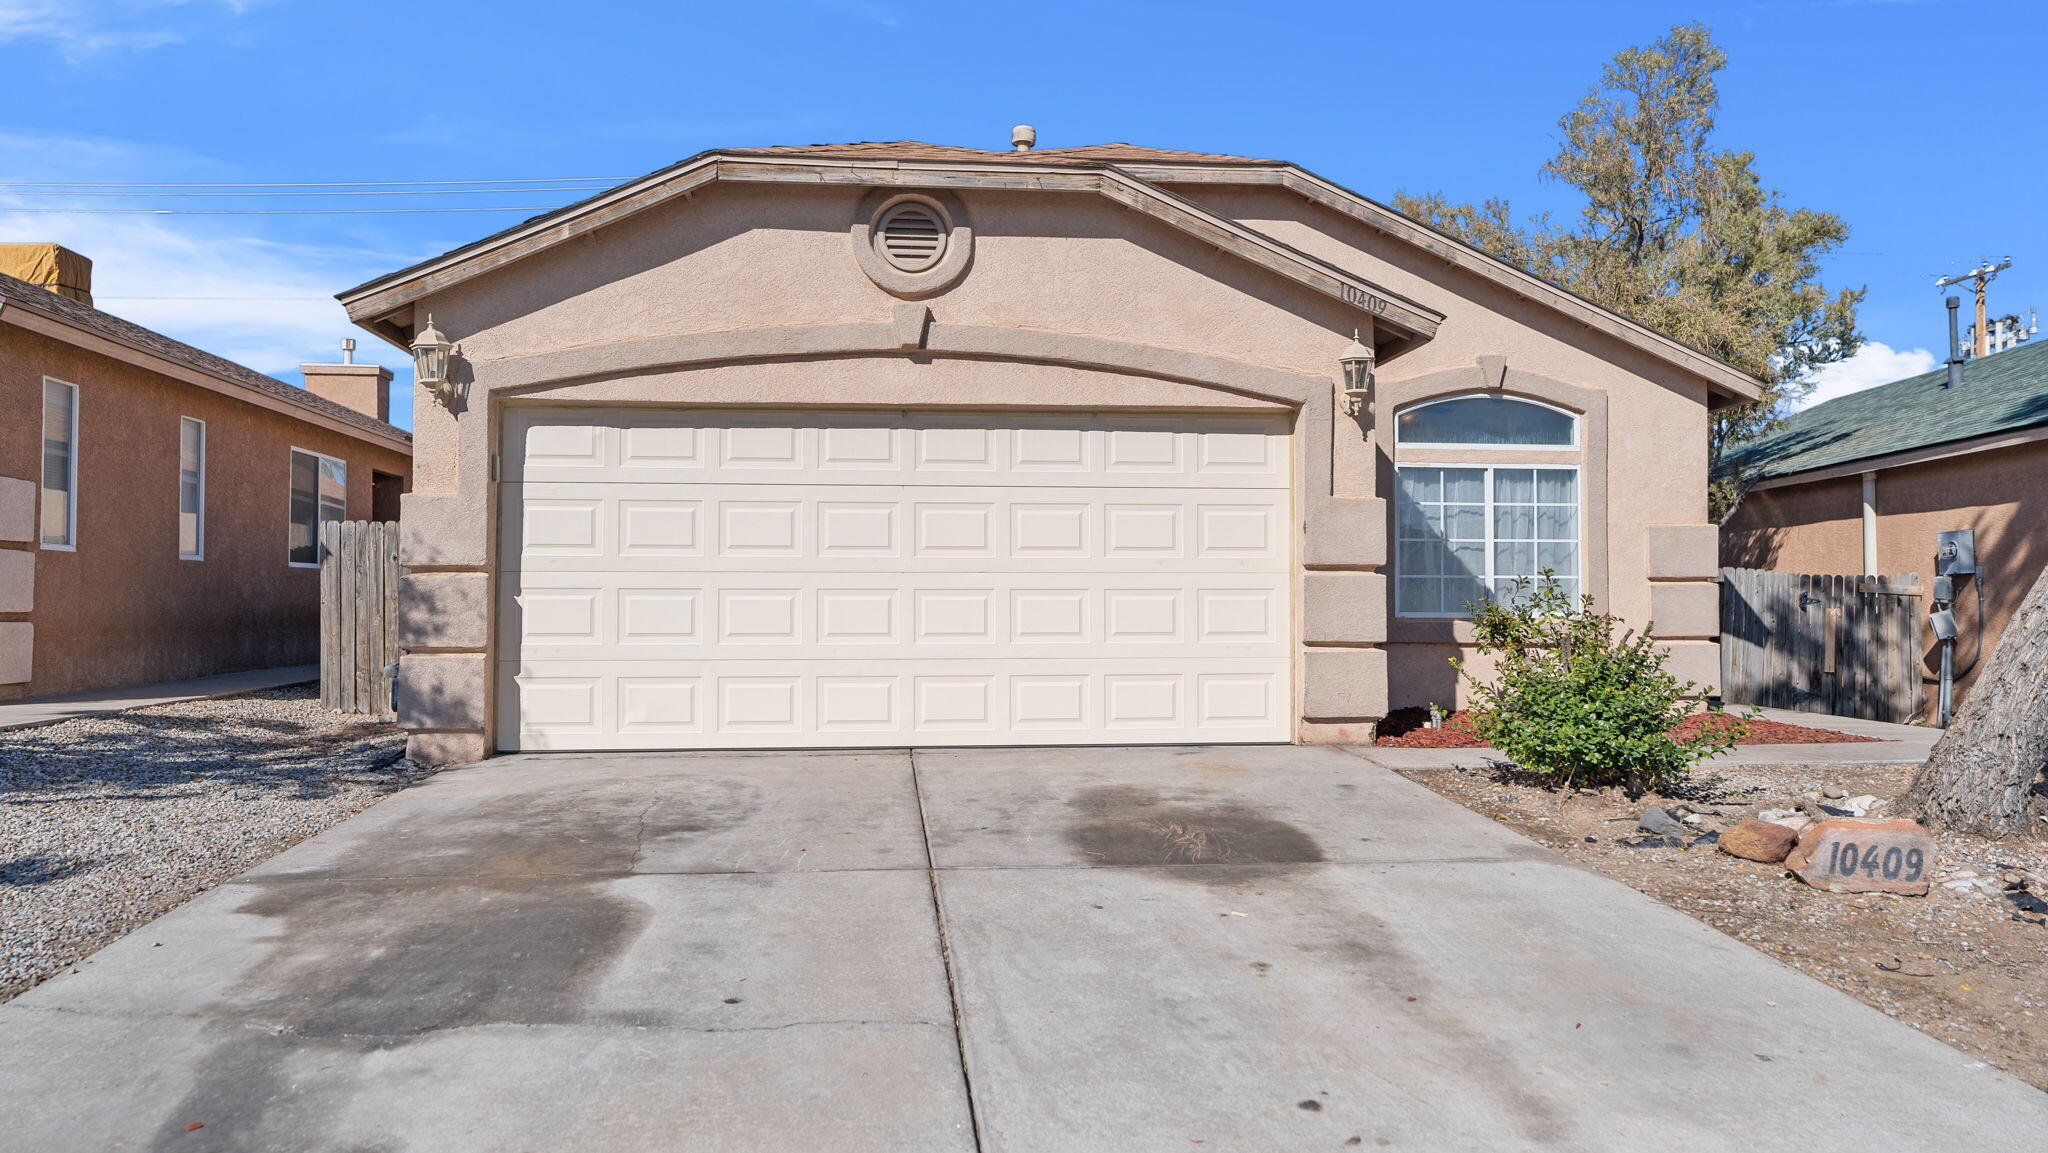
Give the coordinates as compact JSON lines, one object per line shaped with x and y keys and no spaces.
{"x":1873,"y":364}
{"x":79,"y":29}
{"x":262,"y":303}
{"x":217,"y":283}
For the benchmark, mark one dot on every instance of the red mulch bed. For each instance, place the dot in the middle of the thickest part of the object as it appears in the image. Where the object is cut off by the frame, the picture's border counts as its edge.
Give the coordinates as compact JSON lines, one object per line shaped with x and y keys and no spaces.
{"x":1409,"y":729}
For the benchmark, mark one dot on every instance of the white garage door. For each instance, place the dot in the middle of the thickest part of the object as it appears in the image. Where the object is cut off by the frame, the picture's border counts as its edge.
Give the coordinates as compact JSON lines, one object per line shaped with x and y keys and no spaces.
{"x":724,"y":580}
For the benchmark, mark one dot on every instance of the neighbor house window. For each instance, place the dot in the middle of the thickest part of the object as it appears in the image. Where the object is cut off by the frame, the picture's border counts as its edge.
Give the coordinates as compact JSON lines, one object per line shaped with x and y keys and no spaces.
{"x":1466,"y":533}
{"x":319,"y":495}
{"x":1486,"y":420}
{"x":191,"y":488}
{"x":60,"y":464}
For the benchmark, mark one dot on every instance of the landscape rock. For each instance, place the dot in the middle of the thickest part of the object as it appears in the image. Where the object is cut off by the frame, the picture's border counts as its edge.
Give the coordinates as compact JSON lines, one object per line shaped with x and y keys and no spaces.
{"x":1834,"y":794}
{"x":1755,"y":840}
{"x":1865,"y":856}
{"x":1655,"y":820}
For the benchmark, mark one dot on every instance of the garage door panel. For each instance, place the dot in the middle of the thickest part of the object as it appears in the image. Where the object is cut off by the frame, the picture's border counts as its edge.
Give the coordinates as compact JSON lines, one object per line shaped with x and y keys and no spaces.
{"x":968,"y":449}
{"x":693,"y":579}
{"x":893,"y":615}
{"x":649,"y":527}
{"x":752,"y":704}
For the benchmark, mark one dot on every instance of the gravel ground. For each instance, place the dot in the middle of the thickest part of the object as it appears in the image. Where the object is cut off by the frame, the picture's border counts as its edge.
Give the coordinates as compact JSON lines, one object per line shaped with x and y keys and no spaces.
{"x":1968,"y":963}
{"x":107,"y":822}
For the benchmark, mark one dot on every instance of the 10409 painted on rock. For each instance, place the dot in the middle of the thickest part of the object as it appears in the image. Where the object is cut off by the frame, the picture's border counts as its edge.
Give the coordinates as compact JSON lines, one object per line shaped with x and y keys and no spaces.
{"x":1863,"y":856}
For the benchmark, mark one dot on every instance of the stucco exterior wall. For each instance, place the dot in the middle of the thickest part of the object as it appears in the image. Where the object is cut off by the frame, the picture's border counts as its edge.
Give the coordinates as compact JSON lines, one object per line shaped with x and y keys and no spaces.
{"x":1648,"y":466}
{"x":1817,"y":527}
{"x":124,"y":608}
{"x":751,"y":294}
{"x":764,"y":256}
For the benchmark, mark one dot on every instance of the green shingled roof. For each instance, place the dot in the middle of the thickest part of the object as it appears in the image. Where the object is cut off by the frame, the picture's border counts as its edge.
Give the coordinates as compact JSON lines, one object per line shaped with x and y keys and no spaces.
{"x":2004,"y":391}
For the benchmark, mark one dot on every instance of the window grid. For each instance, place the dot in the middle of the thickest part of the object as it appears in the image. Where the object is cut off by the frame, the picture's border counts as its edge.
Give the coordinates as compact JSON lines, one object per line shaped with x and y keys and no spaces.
{"x":1465,"y":532}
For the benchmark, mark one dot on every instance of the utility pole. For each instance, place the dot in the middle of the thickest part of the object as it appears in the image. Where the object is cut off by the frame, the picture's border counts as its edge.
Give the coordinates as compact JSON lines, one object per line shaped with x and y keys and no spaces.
{"x":1979,"y":277}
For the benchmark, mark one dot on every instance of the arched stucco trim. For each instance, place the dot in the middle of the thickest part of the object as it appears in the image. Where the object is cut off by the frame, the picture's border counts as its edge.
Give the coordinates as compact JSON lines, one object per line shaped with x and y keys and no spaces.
{"x":696,"y":349}
{"x":1589,"y":404}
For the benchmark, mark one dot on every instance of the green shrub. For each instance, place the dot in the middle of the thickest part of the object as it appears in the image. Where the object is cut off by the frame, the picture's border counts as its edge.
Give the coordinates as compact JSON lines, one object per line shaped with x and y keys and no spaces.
{"x":1576,"y":694}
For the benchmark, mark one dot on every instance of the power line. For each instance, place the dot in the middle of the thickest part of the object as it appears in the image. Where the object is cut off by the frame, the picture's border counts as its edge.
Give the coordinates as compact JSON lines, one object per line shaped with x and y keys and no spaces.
{"x":102,"y":296}
{"x":6,"y":191}
{"x":607,"y":180}
{"x":271,"y":211}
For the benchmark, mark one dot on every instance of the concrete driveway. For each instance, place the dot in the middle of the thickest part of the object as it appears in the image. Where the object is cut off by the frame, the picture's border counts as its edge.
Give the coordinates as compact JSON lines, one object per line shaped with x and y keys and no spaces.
{"x":1261,"y":948}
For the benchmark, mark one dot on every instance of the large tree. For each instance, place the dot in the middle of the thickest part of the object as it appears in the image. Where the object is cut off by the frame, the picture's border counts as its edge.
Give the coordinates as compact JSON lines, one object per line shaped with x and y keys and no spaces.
{"x":1678,"y":235}
{"x":1986,"y":774}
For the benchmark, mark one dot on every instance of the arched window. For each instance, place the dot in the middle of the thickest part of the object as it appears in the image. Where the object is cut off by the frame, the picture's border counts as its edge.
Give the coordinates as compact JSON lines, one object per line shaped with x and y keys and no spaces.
{"x":1486,"y":420}
{"x":1468,"y":529}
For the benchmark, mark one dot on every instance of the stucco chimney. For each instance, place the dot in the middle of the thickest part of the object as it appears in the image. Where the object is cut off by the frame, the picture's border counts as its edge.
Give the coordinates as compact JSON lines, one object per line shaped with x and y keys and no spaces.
{"x":50,"y":266}
{"x":363,"y":387}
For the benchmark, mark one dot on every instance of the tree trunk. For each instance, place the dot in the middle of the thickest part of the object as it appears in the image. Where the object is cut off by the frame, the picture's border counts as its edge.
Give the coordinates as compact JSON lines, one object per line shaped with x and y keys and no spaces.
{"x":1985,"y":775}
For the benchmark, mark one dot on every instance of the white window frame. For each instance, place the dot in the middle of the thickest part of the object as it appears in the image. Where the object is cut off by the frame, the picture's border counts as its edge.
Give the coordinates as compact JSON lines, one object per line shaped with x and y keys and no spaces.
{"x":317,"y":522}
{"x":1486,"y":579}
{"x":200,"y":518}
{"x":1433,"y":446}
{"x":42,"y":471}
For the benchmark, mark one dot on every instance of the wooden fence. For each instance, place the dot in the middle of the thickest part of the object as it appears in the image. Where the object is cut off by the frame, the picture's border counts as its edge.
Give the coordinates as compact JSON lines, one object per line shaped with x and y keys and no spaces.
{"x":358,"y":615}
{"x":1846,"y":645}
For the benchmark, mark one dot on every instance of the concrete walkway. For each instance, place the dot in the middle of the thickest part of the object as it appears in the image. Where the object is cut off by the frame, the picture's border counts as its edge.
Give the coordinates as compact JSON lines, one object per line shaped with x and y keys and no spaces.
{"x":28,"y":714}
{"x":1216,"y":949}
{"x":1896,"y":745}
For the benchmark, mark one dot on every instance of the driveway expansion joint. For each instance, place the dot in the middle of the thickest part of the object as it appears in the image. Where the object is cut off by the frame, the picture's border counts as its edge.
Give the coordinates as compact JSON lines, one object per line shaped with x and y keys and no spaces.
{"x":924,"y":830}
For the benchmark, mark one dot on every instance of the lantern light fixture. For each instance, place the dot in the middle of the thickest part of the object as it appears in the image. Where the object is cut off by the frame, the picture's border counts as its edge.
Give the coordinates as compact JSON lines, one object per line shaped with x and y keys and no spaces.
{"x":431,"y":356}
{"x":1356,"y":361}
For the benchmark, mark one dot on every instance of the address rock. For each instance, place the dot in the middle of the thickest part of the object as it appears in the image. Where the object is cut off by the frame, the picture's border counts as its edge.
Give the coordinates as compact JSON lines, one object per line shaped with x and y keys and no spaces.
{"x":1865,"y":856}
{"x":1755,"y":840}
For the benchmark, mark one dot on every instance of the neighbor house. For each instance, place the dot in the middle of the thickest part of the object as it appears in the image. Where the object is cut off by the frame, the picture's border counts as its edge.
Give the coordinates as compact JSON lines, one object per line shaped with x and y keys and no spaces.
{"x":159,"y":505}
{"x":1865,"y":483}
{"x":899,"y":443}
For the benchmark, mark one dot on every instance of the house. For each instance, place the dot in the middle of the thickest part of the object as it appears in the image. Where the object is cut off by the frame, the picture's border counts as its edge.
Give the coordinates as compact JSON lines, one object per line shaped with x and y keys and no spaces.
{"x":899,"y":443}
{"x":1865,"y":482}
{"x":158,"y":504}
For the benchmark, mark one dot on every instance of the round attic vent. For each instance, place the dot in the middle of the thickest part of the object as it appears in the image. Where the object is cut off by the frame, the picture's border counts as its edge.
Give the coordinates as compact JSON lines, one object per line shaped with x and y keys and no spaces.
{"x":912,"y":244}
{"x":911,"y":235}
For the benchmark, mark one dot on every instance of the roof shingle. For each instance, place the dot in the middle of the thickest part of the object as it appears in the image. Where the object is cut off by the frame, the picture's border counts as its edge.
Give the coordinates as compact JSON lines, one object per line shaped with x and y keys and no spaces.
{"x":2000,"y":393}
{"x":919,"y":150}
{"x":84,"y":316}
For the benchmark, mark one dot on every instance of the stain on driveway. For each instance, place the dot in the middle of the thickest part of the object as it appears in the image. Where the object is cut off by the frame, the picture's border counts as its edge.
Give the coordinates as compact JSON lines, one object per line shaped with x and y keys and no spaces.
{"x":1144,"y":948}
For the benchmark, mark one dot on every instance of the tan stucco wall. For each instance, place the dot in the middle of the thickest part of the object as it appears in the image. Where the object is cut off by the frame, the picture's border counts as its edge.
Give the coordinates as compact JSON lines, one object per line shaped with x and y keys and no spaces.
{"x":124,"y":609}
{"x":1654,"y":455}
{"x":751,"y":294}
{"x":1817,"y":527}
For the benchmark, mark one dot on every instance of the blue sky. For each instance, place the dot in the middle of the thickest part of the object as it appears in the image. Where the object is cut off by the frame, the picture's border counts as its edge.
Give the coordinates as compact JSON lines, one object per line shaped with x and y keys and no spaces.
{"x":1915,"y":120}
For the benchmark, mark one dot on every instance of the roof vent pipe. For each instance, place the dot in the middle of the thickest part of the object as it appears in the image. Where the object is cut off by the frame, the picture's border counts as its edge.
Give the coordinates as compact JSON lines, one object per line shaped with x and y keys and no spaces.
{"x":1023,"y":136}
{"x":1955,"y":345}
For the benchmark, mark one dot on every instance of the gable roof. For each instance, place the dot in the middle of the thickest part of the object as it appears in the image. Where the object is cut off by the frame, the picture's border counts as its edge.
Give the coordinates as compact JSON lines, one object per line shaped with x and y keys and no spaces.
{"x":1404,"y":321}
{"x":86,"y":319}
{"x":1129,"y":173}
{"x":2004,"y":392}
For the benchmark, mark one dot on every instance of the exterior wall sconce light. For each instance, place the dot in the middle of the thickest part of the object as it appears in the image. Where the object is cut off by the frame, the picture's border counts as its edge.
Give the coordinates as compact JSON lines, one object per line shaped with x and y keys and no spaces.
{"x":431,"y":355}
{"x":1357,"y":363}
